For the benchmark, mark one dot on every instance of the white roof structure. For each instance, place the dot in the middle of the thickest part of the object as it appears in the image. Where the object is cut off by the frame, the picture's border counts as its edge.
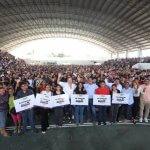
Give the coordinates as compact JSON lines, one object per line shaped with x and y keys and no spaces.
{"x":117,"y":25}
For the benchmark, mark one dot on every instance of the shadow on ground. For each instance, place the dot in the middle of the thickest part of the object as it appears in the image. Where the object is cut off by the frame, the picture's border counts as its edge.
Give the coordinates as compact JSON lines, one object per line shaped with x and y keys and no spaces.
{"x":118,"y":137}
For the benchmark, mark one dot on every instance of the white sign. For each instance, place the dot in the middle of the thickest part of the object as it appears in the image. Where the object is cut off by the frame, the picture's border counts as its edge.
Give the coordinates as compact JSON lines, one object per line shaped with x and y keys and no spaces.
{"x":60,"y":100}
{"x":24,"y":103}
{"x":102,"y":100}
{"x":43,"y":100}
{"x":79,"y":99}
{"x":120,"y":98}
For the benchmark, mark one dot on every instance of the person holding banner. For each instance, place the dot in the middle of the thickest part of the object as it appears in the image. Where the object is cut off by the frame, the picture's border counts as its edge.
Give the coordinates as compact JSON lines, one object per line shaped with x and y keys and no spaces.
{"x":44,"y":111}
{"x":59,"y":111}
{"x":90,"y":88}
{"x":3,"y":111}
{"x":26,"y":114}
{"x":102,"y":90}
{"x":68,"y":88}
{"x":79,"y":110}
{"x":15,"y":116}
{"x":114,"y":107}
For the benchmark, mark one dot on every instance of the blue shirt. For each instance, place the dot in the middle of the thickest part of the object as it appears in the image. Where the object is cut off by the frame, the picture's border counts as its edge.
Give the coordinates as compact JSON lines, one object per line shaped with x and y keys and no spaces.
{"x":90,"y":89}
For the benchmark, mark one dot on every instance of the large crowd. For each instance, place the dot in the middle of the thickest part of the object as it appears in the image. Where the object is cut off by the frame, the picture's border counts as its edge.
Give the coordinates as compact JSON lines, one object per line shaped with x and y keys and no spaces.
{"x":18,"y":79}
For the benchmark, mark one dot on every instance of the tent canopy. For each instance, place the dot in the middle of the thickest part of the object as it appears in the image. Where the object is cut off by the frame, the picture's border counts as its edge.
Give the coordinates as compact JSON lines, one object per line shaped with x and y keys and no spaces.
{"x":141,"y":66}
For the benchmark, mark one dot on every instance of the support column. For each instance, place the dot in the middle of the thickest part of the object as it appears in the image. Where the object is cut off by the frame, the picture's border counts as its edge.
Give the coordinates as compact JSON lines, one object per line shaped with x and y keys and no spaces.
{"x":117,"y":55}
{"x":140,"y":53}
{"x":127,"y":54}
{"x":111,"y":56}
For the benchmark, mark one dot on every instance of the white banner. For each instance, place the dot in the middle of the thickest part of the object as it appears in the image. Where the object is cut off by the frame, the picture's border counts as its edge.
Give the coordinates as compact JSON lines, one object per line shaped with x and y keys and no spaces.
{"x":79,"y":99}
{"x":120,"y":98}
{"x":102,"y":100}
{"x":24,"y":103}
{"x":43,"y":100}
{"x":60,"y":100}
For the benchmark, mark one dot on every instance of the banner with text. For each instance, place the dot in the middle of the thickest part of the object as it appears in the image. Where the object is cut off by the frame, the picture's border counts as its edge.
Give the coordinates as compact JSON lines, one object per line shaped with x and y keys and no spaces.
{"x":60,"y":100}
{"x":102,"y":100}
{"x":79,"y":99}
{"x":120,"y":98}
{"x":43,"y":100}
{"x":24,"y":103}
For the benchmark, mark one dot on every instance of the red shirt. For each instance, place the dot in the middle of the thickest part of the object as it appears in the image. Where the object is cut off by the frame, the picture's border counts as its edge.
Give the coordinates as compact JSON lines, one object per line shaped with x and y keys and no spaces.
{"x":103,"y":91}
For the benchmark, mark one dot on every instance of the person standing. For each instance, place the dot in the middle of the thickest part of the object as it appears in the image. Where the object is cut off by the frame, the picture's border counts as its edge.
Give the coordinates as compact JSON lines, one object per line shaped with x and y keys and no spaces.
{"x":116,"y":82}
{"x":79,"y":110}
{"x":128,"y":107}
{"x":44,"y":111}
{"x":136,"y":105}
{"x":102,"y":90}
{"x":26,"y":114}
{"x":145,"y":101}
{"x":59,"y":111}
{"x":90,"y":88}
{"x":68,"y":88}
{"x":114,"y":107}
{"x":3,"y":111}
{"x":15,"y":116}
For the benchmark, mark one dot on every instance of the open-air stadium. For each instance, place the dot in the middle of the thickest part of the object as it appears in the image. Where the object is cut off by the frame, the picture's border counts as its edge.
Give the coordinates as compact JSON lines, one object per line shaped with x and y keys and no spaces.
{"x":74,"y":74}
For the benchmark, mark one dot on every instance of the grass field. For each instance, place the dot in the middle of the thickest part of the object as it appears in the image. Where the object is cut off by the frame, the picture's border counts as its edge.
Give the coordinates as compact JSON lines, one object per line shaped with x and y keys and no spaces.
{"x":116,"y":137}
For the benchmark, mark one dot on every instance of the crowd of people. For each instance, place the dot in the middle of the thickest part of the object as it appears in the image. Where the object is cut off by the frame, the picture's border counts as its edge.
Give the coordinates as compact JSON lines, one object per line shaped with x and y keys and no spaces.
{"x":18,"y":79}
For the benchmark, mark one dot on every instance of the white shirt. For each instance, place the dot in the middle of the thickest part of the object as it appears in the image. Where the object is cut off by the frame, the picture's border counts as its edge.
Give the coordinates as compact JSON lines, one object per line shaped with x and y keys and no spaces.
{"x":129,"y":91}
{"x":67,"y":89}
{"x":90,"y":89}
{"x":139,"y":91}
{"x":119,"y":86}
{"x":47,"y":93}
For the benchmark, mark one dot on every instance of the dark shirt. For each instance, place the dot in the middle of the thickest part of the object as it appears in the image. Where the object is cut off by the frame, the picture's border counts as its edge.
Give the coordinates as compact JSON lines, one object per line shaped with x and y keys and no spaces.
{"x":21,"y":94}
{"x":111,"y":93}
{"x":54,"y":93}
{"x":4,"y":102}
{"x":76,"y":91}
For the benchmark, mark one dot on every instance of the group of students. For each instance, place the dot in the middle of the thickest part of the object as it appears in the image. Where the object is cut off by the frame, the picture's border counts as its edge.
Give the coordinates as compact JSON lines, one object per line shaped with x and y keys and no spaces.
{"x":139,"y":103}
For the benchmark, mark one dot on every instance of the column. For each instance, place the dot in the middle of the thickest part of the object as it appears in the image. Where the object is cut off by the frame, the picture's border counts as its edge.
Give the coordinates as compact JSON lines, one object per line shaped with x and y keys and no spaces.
{"x":140,"y":52}
{"x":117,"y":55}
{"x":111,"y":56}
{"x":127,"y":54}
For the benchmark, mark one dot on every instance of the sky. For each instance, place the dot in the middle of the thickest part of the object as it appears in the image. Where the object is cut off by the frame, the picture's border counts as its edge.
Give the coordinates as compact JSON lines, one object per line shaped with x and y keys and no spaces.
{"x":73,"y":49}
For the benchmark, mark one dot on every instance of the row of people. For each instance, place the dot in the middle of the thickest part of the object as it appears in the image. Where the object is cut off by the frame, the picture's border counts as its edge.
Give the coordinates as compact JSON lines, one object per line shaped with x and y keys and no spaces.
{"x":139,"y":98}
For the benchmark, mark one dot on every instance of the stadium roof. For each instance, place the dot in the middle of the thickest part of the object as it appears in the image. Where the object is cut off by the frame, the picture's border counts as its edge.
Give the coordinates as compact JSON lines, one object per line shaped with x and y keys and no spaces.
{"x":118,"y":25}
